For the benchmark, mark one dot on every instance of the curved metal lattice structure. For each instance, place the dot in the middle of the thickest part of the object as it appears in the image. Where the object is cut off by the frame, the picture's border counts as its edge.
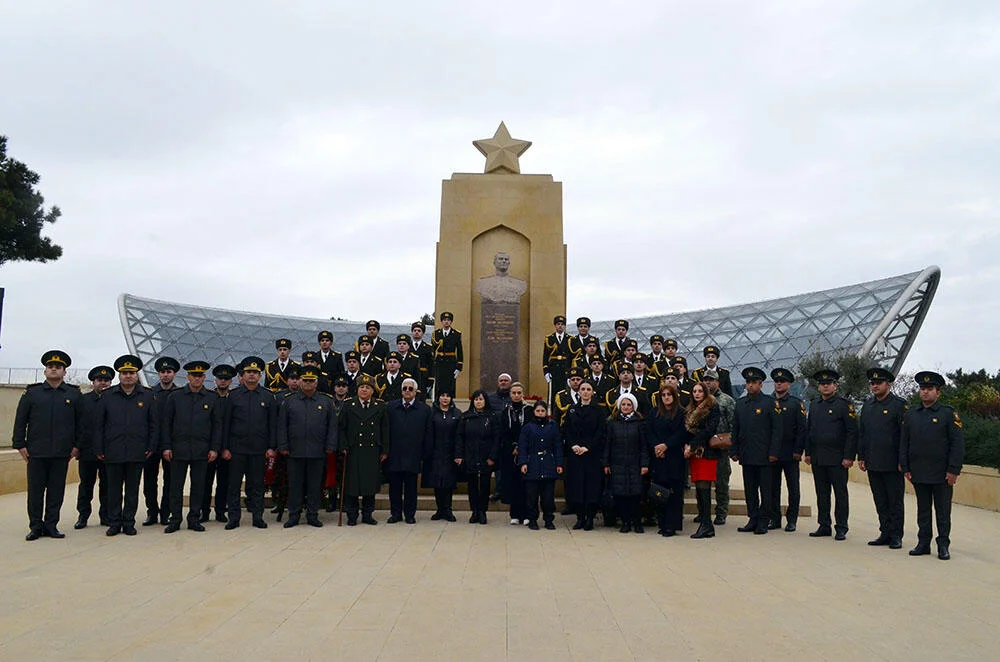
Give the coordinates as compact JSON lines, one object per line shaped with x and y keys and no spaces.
{"x":880,"y":318}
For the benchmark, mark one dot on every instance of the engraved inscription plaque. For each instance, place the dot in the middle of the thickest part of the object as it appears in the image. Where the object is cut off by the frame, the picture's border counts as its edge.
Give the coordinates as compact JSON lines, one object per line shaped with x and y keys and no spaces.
{"x":500,"y":328}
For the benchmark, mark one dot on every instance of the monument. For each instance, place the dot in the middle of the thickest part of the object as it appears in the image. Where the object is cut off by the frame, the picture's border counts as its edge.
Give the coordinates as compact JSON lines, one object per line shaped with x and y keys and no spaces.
{"x":501,"y":264}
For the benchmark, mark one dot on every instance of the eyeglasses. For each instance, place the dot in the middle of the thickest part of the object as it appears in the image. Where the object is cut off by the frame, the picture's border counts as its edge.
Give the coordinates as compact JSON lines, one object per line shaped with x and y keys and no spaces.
{"x":409,"y":388}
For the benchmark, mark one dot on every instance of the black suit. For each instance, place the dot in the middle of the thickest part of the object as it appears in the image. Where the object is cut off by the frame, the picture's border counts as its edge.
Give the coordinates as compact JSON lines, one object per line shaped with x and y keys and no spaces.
{"x":333,"y":365}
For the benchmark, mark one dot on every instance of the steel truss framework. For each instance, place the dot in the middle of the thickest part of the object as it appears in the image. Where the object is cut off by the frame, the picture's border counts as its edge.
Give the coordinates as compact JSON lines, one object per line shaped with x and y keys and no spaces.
{"x":879,"y":318}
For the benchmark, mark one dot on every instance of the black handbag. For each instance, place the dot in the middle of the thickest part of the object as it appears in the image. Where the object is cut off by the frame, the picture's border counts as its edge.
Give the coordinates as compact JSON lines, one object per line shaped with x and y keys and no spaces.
{"x":659,"y":494}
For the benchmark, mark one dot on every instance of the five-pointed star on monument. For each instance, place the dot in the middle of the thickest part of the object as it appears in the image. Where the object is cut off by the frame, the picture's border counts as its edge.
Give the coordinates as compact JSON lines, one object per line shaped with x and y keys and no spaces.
{"x":501,"y":151}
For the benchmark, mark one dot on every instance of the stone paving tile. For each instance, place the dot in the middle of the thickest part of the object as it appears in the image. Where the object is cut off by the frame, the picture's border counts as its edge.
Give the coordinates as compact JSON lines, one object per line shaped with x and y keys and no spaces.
{"x":440,"y":591}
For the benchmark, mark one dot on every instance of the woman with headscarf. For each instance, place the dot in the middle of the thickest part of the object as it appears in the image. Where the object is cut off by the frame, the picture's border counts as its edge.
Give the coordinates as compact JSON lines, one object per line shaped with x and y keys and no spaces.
{"x":701,"y":420}
{"x":626,"y":460}
{"x":440,"y":472}
{"x":539,"y":456}
{"x":513,"y":416}
{"x":477,"y":447}
{"x":667,"y":437}
{"x":583,"y":432}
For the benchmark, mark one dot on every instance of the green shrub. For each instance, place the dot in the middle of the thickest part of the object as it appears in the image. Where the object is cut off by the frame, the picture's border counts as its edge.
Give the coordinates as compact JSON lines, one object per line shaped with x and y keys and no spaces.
{"x":982,"y":440}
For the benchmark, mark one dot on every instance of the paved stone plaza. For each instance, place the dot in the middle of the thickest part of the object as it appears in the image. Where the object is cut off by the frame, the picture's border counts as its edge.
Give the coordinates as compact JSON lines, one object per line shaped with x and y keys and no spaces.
{"x":438,"y":591}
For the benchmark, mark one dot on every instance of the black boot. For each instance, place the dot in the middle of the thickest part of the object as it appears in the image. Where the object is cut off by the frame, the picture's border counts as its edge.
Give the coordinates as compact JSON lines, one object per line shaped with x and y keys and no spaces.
{"x":579,"y":522}
{"x":705,"y":527}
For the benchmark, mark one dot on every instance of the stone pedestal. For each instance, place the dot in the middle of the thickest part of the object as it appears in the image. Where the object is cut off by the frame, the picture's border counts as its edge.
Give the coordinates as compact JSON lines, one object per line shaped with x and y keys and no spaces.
{"x":481,"y":216}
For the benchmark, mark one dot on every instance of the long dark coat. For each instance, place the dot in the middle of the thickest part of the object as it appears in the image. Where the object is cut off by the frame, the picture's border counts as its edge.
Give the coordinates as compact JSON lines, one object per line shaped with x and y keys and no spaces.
{"x":409,"y":435}
{"x":669,"y":470}
{"x":440,"y":470}
{"x":626,"y":453}
{"x":583,"y":425}
{"x":364,"y":434}
{"x":192,"y":424}
{"x":932,"y":444}
{"x":540,"y":449}
{"x":478,"y":440}
{"x":125,"y":426}
{"x":512,"y":418}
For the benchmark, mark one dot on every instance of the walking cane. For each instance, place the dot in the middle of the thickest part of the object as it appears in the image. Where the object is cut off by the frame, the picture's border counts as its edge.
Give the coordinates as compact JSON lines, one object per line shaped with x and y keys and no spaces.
{"x":343,"y":477}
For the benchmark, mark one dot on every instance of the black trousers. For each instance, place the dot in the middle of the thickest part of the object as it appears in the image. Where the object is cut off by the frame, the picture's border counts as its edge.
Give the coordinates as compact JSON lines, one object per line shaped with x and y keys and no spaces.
{"x":150,"y":476}
{"x":544,"y":489}
{"x":218,"y":473}
{"x":790,"y":468}
{"x":178,"y":474}
{"x":125,"y":474}
{"x":757,"y":485}
{"x":402,"y":493}
{"x":670,"y":515}
{"x":443,"y":497}
{"x":888,"y":488}
{"x":479,"y":492}
{"x":940,"y":495}
{"x":46,"y":489}
{"x":92,"y":472}
{"x":252,"y":468}
{"x":627,"y":508}
{"x":305,"y":478}
{"x":829,"y":478}
{"x":367,"y":505}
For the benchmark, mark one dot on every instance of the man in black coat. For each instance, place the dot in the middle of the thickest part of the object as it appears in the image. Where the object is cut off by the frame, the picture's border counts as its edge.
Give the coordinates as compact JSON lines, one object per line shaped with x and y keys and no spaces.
{"x":614,"y":349}
{"x":157,"y":507}
{"x":711,"y":354}
{"x":879,"y":429}
{"x":276,"y":371}
{"x":368,"y":361}
{"x":409,"y":443}
{"x":380,"y":346}
{"x":931,"y":452}
{"x":217,"y":473}
{"x":331,"y":362}
{"x":48,"y":429}
{"x":125,"y":433}
{"x":307,"y":432}
{"x":831,"y":446}
{"x":190,"y":436}
{"x":792,"y":413}
{"x":364,"y":439}
{"x":91,"y":468}
{"x":557,"y":357}
{"x":248,"y":439}
{"x":756,"y":439}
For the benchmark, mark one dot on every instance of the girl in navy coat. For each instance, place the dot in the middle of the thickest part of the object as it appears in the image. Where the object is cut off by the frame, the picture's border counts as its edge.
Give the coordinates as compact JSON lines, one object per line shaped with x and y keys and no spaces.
{"x":539,"y":453}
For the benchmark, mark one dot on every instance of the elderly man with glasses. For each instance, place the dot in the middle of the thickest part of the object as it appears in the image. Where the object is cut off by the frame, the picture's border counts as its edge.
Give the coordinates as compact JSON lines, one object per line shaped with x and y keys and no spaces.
{"x":409,"y":443}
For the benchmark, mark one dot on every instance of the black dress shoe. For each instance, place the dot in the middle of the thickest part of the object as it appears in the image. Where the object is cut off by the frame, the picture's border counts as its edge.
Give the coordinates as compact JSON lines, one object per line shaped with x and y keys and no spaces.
{"x":172,"y":528}
{"x":55,"y":533}
{"x":841,"y":535}
{"x":232,"y":524}
{"x":474,"y":517}
{"x":81,"y":523}
{"x":411,"y":520}
{"x":550,"y":526}
{"x":258,"y":523}
{"x":33,"y":535}
{"x":113,"y":531}
{"x":129,"y":530}
{"x":881,"y":541}
{"x":760,"y":530}
{"x":771,"y":526}
{"x":625,"y":528}
{"x":588,"y":524}
{"x":747,"y":528}
{"x":292,"y":521}
{"x":821,"y":532}
{"x":221,"y":517}
{"x":638,"y":528}
{"x":196,"y":526}
{"x":150,"y":520}
{"x":720,"y":520}
{"x":314,"y":521}
{"x":352,"y":521}
{"x":368,"y":519}
{"x":533,"y":525}
{"x":482,"y":517}
{"x":438,"y":515}
{"x":921,"y":549}
{"x":578,"y":525}
{"x":450,"y":517}
{"x":943,"y":552}
{"x":895,"y":543}
{"x":790,"y":527}
{"x":394,"y":519}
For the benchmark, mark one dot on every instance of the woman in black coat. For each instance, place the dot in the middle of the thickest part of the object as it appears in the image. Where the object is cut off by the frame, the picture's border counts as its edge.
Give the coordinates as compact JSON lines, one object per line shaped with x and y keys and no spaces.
{"x":626,"y":460}
{"x":667,"y":436}
{"x":440,"y":472}
{"x":476,"y":451}
{"x":701,"y":420}
{"x":512,"y":418}
{"x":583,"y":432}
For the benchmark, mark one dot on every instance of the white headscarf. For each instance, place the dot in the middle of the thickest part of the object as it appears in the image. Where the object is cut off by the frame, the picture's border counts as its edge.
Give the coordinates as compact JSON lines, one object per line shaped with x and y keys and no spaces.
{"x":627,"y":396}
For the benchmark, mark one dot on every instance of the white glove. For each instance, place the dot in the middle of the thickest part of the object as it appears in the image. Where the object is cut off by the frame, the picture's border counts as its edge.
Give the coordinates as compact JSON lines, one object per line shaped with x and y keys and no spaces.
{"x":457,"y":373}
{"x":548,"y":378}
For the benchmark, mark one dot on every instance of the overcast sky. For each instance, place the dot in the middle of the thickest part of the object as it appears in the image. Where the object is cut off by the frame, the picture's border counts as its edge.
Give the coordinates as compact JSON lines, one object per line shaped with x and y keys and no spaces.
{"x":287,"y":157}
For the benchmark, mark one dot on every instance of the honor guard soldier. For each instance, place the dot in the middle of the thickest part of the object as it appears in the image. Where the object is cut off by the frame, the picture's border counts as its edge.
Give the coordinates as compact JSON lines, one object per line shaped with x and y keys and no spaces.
{"x":276,"y":372}
{"x":591,"y":348}
{"x":756,"y":439}
{"x":217,"y":472}
{"x":614,"y":349}
{"x":126,"y":434}
{"x":389,"y":384}
{"x":48,"y":429}
{"x":680,"y":364}
{"x":364,"y":438}
{"x":369,"y":363}
{"x":409,"y":362}
{"x":307,"y":431}
{"x":626,"y":385}
{"x":673,"y":377}
{"x":880,"y":426}
{"x":166,"y":369}
{"x":448,"y":358}
{"x":792,"y":414}
{"x":658,"y":360}
{"x":331,"y":362}
{"x":567,"y":397}
{"x":425,"y":351}
{"x":711,"y":354}
{"x":627,"y":356}
{"x":643,"y":378}
{"x":248,"y":439}
{"x":353,"y":362}
{"x":90,"y":467}
{"x":931,"y":452}
{"x":578,"y":343}
{"x":380,"y":346}
{"x":601,"y":381}
{"x":323,"y":383}
{"x":557,"y":356}
{"x":190,"y":436}
{"x":831,"y":446}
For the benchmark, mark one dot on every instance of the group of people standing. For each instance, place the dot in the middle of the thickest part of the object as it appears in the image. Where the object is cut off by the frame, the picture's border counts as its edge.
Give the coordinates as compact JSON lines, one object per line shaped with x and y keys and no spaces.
{"x":626,"y":441}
